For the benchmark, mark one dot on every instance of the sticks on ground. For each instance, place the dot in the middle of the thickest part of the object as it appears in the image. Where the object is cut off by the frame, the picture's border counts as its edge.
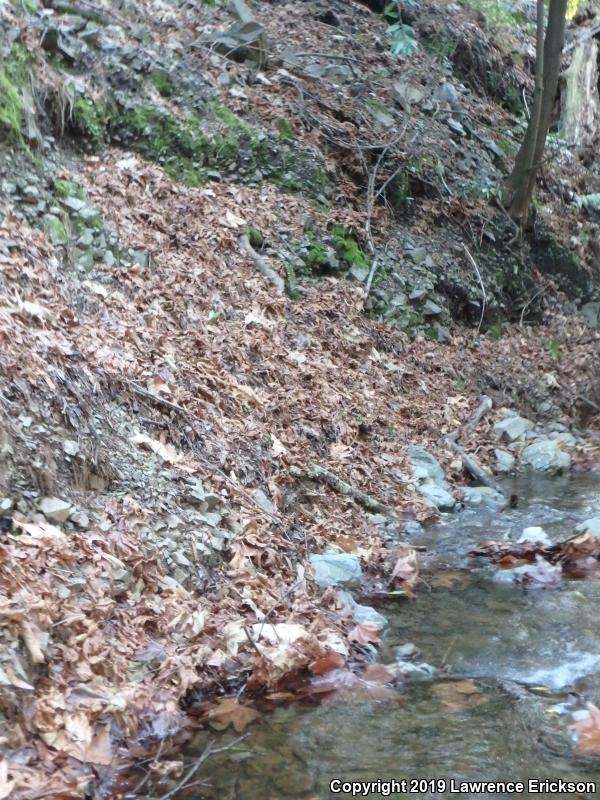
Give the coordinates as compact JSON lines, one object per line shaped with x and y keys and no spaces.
{"x":316,"y":473}
{"x":262,"y":265}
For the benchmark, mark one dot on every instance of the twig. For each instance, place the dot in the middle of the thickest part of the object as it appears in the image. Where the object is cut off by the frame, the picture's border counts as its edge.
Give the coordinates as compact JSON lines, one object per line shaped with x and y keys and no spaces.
{"x":471,"y":465}
{"x":280,"y":600}
{"x":590,"y":403}
{"x":483,"y":295}
{"x":316,"y":473}
{"x":209,"y":750}
{"x":530,"y":301}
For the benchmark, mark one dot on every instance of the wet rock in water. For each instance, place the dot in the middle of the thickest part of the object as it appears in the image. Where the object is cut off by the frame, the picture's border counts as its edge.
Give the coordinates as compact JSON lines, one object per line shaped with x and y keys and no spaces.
{"x":336,"y":569}
{"x":419,"y":672}
{"x":535,"y":534}
{"x":545,"y":456}
{"x":55,"y":509}
{"x":483,"y":497}
{"x":430,"y":479}
{"x":406,"y":651}
{"x":512,"y":428}
{"x":361,"y":613}
{"x":591,"y":525}
{"x":505,"y":462}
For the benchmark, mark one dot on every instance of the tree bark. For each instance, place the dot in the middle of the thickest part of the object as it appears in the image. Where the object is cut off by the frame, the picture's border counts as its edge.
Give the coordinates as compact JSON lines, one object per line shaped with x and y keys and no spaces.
{"x":549,"y":47}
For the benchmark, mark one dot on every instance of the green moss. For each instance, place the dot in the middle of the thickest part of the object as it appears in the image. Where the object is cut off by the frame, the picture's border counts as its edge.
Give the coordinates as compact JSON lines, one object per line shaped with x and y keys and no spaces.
{"x":221,"y":113}
{"x":56,"y":231}
{"x":64,"y":188}
{"x":13,"y":80}
{"x":285,"y":130}
{"x":348,"y":248}
{"x":90,"y":119}
{"x":255,"y":237}
{"x":291,"y":283}
{"x":162,"y":82}
{"x":316,"y":256}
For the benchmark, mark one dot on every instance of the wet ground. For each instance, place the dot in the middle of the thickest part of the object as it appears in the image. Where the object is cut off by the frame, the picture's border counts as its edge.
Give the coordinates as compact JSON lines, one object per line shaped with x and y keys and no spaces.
{"x":528,"y":653}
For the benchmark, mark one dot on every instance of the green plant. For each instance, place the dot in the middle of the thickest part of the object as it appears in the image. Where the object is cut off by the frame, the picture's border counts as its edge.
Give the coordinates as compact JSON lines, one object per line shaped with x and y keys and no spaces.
{"x":162,"y":82}
{"x":13,"y":80}
{"x":552,"y":347}
{"x":402,"y":39}
{"x":286,"y":132}
{"x":348,"y":248}
{"x":255,"y":237}
{"x":459,"y":383}
{"x":90,"y":119}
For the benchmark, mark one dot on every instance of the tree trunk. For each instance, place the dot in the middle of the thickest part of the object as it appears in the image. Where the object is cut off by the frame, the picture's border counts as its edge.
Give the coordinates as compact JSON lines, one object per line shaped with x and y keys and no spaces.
{"x":521,"y":182}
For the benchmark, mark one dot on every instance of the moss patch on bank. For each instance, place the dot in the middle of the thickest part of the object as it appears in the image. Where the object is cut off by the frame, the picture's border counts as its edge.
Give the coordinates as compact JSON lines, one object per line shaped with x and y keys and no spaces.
{"x":190,"y":153}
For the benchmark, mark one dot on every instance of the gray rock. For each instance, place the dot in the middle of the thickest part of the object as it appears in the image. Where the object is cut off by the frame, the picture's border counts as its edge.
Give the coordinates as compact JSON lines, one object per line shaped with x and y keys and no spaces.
{"x":591,"y":525}
{"x":418,"y":293}
{"x":430,"y":479}
{"x":86,"y":239}
{"x":6,"y":506}
{"x":418,"y":255}
{"x":88,"y":214}
{"x":55,"y":509}
{"x":74,"y":203}
{"x":406,"y":651}
{"x":361,"y":613}
{"x":512,"y":428}
{"x":505,"y":462}
{"x":336,"y":569}
{"x":534,"y":534}
{"x":359,"y":274}
{"x":31,"y":194}
{"x":545,"y":456}
{"x":565,"y":438}
{"x":431,"y":309}
{"x":483,"y":497}
{"x":263,"y":501}
{"x":420,"y":672}
{"x":591,"y":313}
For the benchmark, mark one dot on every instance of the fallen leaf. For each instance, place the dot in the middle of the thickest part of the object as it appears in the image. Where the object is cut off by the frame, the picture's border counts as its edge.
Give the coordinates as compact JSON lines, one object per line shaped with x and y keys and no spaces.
{"x":459,"y":695}
{"x":229,"y":711}
{"x":365,"y":633}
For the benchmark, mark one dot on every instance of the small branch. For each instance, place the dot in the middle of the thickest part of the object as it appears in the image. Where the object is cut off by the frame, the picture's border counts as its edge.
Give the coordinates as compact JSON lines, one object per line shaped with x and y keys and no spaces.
{"x":530,"y":301}
{"x":262,"y":265}
{"x":483,"y":295}
{"x":209,"y":750}
{"x":316,"y":473}
{"x":589,"y":402}
{"x":471,"y":465}
{"x":485,"y":405}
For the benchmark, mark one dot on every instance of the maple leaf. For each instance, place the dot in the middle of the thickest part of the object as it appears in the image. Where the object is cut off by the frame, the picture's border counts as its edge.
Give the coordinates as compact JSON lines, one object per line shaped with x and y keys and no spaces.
{"x":229,"y":711}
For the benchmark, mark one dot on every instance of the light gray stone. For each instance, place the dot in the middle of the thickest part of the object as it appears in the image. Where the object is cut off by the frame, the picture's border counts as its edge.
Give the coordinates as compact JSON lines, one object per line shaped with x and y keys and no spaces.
{"x":534,"y":534}
{"x":545,"y":456}
{"x":74,"y":203}
{"x":591,"y":313}
{"x":483,"y":497}
{"x":505,"y":462}
{"x":512,"y":428}
{"x":55,"y":509}
{"x":591,"y":525}
{"x":431,"y":309}
{"x":430,"y":479}
{"x":361,"y":613}
{"x":263,"y":501}
{"x":336,"y":569}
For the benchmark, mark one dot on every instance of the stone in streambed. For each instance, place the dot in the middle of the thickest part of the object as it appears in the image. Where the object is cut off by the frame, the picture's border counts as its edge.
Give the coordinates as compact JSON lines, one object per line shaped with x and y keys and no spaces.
{"x":545,"y":456}
{"x":361,"y":613}
{"x":430,"y":479}
{"x":336,"y":569}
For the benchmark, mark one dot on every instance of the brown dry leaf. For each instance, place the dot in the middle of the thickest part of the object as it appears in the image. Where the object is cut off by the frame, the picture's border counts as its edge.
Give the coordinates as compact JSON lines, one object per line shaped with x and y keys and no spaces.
{"x":405,"y":569}
{"x":229,"y":712}
{"x":346,"y":543}
{"x":327,"y":663}
{"x":365,"y":633}
{"x":459,"y":695}
{"x":448,"y":579}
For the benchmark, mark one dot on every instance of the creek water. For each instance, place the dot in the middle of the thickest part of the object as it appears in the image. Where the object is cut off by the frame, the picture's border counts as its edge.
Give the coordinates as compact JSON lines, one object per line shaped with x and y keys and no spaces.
{"x":528,"y":653}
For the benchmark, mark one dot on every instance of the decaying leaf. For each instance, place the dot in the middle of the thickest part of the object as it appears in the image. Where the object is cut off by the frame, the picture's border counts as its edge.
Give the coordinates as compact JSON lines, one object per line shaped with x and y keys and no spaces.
{"x":229,"y":711}
{"x":459,"y":695}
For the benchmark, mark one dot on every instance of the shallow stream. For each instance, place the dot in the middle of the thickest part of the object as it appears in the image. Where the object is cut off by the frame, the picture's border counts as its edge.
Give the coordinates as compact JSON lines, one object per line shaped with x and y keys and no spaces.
{"x":526,"y":651}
